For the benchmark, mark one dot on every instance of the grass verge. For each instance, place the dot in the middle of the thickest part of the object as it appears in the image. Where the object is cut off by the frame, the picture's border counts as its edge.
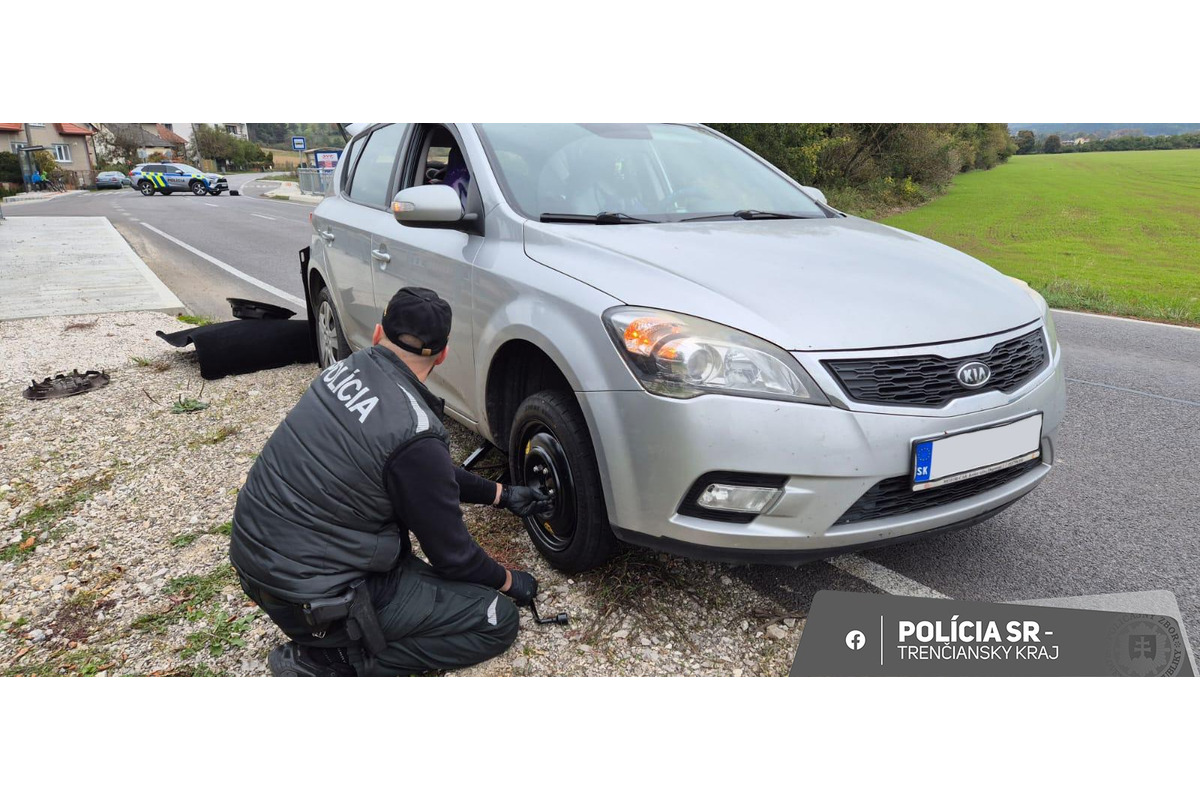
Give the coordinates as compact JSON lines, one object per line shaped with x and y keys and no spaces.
{"x":1112,"y":233}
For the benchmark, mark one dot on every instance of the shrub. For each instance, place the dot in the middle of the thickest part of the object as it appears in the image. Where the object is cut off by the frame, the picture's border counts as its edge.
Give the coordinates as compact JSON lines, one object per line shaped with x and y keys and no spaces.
{"x":10,"y":168}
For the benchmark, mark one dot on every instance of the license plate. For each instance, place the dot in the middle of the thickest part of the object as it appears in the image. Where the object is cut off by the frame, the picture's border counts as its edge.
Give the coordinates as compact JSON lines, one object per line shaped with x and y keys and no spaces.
{"x":950,"y":459}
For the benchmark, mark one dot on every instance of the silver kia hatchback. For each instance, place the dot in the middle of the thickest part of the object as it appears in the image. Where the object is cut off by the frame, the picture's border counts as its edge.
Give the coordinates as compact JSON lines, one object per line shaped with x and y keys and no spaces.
{"x":692,"y":351}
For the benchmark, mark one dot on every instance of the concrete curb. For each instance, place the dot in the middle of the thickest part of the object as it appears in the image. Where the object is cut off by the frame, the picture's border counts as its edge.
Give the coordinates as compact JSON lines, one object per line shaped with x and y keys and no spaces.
{"x":17,"y":199}
{"x":308,"y":199}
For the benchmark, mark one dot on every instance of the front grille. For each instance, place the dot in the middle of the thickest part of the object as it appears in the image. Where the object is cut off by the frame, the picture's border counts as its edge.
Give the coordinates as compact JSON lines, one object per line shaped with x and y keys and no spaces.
{"x":895,"y":496}
{"x":931,"y":380}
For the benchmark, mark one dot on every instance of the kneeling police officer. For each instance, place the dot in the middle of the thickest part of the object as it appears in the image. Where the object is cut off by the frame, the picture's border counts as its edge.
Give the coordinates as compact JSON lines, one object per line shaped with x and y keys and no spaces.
{"x":320,"y":535}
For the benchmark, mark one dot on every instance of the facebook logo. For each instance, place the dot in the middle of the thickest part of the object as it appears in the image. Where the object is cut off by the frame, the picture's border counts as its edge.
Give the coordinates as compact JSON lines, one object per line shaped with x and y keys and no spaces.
{"x":855,"y":640}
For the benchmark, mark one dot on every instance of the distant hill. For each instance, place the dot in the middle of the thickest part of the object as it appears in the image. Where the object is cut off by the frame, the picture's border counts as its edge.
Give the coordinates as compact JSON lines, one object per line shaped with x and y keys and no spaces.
{"x":278,"y":135}
{"x":1104,"y":130}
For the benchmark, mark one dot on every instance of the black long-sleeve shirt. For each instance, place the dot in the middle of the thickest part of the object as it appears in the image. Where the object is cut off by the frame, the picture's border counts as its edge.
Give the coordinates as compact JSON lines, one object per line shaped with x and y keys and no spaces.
{"x":426,"y":488}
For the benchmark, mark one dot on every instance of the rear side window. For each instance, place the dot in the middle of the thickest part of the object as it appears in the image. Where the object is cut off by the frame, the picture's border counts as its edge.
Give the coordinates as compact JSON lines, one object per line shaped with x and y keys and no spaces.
{"x":373,"y":174}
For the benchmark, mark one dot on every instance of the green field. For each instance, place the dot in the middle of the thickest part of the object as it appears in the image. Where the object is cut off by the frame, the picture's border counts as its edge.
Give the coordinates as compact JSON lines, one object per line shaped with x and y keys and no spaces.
{"x":1114,"y":233}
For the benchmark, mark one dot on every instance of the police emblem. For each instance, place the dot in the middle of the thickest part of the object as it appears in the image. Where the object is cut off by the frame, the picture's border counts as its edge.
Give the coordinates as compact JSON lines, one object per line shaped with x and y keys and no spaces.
{"x":1146,"y":646}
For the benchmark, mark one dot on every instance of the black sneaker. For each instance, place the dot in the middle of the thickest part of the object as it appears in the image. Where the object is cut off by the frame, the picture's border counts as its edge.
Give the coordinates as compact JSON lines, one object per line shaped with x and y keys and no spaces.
{"x":292,"y":660}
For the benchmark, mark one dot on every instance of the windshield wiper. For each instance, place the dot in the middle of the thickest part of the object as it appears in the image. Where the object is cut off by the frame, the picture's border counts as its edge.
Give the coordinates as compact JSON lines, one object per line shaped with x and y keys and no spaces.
{"x":603,"y":218}
{"x":748,"y":213}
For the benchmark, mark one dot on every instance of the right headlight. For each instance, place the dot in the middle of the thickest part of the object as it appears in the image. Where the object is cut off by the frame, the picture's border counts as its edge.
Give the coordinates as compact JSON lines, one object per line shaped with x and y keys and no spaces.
{"x":676,"y":355}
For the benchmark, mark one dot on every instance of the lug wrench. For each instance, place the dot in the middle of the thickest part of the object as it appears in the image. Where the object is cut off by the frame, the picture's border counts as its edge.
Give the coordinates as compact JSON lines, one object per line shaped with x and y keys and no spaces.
{"x":560,"y":618}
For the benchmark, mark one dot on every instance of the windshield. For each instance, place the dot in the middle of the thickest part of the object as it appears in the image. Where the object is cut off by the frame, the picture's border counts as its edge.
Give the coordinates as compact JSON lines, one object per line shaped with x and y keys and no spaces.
{"x":657,"y":172}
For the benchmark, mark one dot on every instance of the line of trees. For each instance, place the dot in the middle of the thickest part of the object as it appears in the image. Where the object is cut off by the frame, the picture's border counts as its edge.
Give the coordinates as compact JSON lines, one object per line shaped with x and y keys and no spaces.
{"x":875,"y":168}
{"x":1027,"y":143}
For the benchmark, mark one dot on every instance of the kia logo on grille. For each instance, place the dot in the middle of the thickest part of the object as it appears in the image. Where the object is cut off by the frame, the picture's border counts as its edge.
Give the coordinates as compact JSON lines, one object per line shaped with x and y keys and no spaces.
{"x":974,"y":374}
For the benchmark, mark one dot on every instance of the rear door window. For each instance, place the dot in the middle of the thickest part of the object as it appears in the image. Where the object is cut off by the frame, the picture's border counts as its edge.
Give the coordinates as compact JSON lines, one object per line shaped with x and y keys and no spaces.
{"x":372,"y":177}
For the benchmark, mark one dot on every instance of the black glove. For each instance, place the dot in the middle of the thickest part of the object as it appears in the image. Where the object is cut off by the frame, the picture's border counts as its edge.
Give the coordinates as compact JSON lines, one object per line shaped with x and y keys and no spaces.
{"x":523,"y":501}
{"x":523,"y":588}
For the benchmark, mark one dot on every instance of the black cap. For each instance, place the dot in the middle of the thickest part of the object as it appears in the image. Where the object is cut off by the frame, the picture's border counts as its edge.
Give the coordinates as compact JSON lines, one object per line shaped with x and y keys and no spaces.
{"x":419,"y":313}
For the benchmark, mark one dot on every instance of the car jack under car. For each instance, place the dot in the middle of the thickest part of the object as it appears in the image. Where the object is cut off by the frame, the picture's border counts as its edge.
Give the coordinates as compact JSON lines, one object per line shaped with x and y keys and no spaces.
{"x":489,"y":462}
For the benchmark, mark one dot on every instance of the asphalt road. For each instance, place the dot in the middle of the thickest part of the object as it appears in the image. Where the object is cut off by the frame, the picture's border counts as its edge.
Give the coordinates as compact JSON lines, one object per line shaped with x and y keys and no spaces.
{"x":257,"y":236}
{"x":1120,"y":511}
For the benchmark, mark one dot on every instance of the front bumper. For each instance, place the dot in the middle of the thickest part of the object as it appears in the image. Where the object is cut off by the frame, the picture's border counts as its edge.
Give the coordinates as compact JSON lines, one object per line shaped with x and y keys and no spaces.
{"x":651,"y":449}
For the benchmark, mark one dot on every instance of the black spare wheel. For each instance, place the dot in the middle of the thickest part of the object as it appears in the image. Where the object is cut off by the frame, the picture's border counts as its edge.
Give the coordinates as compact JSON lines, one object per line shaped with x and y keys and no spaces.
{"x":550,"y":449}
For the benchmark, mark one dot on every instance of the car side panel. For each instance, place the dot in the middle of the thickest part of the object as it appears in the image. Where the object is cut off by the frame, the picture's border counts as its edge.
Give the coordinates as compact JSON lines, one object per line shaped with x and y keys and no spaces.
{"x":517,"y":298}
{"x":347,"y":248}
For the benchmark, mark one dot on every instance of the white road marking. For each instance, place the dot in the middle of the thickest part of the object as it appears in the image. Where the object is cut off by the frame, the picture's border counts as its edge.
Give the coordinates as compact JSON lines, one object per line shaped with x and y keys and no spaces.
{"x":214,"y":205}
{"x":263,"y":216}
{"x":134,"y":219}
{"x":1127,"y":390}
{"x":237,"y":273}
{"x":882,"y":578}
{"x":1126,"y":319}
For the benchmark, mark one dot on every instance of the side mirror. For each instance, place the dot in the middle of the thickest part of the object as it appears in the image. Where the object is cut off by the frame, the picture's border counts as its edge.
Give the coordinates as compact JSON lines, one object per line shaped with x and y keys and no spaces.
{"x":815,"y":193}
{"x":434,"y":206}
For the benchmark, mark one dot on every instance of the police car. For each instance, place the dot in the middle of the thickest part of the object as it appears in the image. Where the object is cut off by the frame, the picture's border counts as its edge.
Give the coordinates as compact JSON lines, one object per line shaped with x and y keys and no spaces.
{"x":168,"y":177}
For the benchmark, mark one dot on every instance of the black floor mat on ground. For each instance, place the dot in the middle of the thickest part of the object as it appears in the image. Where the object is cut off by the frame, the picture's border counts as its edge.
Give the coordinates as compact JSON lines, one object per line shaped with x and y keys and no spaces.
{"x":247,"y":345}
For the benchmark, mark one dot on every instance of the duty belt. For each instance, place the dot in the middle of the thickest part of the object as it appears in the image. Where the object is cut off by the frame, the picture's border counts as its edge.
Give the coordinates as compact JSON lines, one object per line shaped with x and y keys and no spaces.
{"x":354,"y":606}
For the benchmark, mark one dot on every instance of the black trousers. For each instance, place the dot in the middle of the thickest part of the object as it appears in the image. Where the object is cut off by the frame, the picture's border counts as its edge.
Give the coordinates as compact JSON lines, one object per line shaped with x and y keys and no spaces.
{"x":430,"y":623}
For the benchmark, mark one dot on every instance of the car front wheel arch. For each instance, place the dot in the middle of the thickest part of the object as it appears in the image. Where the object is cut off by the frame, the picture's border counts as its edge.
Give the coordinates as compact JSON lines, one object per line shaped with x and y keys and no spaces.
{"x":518,"y":369}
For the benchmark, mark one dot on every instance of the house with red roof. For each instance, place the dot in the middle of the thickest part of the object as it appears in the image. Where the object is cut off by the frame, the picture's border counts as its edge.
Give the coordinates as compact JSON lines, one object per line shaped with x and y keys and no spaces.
{"x":71,"y":144}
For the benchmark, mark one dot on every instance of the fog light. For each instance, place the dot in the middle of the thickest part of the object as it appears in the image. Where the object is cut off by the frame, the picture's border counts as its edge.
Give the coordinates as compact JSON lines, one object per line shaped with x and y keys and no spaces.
{"x":732,"y":496}
{"x":747,"y":499}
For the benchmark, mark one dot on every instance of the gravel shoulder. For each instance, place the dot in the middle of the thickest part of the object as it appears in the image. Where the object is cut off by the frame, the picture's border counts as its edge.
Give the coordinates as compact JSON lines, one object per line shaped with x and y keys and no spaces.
{"x":114,"y":513}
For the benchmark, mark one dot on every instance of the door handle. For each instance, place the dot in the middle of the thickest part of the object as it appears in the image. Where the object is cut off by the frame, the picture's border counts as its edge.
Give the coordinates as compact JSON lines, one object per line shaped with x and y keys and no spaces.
{"x":381,"y":256}
{"x":326,"y":235}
